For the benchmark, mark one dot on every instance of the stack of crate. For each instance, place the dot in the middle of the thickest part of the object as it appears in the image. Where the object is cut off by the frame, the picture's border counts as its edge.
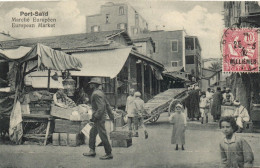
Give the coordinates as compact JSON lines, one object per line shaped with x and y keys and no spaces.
{"x":121,"y":138}
{"x":67,"y":133}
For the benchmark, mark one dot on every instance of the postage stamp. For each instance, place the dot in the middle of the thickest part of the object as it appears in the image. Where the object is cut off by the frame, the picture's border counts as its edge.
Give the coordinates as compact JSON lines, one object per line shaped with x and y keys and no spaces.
{"x":240,"y":50}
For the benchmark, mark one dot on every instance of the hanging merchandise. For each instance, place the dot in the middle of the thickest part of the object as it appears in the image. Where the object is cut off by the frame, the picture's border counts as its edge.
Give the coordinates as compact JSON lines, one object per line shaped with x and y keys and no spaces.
{"x":69,"y":85}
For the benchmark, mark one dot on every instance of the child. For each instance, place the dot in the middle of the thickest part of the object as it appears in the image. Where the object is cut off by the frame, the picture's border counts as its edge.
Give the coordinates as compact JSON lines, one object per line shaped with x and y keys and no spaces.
{"x":235,"y":151}
{"x":204,"y":107}
{"x":130,"y":109}
{"x":139,"y":108}
{"x":178,"y":119}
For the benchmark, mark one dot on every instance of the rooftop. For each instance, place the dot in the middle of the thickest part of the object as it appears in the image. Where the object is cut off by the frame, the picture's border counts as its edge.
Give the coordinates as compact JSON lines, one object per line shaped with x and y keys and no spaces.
{"x":71,"y":41}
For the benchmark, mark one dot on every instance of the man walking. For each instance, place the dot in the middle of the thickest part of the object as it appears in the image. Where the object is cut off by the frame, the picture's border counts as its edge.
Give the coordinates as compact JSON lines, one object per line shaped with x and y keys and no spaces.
{"x":99,"y":107}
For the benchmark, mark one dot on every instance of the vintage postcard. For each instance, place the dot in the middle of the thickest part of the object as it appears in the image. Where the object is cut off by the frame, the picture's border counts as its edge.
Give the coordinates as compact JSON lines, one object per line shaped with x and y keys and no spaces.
{"x":129,"y":84}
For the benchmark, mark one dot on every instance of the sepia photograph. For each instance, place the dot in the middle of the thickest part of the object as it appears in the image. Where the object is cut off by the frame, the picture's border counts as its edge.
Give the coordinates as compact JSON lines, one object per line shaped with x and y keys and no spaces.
{"x":129,"y":84}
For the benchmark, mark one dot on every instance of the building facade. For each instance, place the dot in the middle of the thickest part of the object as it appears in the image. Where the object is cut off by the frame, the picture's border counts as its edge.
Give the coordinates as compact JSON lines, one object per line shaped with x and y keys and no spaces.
{"x":117,"y":16}
{"x":177,"y":51}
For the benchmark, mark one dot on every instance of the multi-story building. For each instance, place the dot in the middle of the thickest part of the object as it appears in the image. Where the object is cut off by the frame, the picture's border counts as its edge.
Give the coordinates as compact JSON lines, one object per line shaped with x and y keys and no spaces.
{"x":117,"y":16}
{"x":174,"y":49}
{"x":242,"y":13}
{"x":245,"y":87}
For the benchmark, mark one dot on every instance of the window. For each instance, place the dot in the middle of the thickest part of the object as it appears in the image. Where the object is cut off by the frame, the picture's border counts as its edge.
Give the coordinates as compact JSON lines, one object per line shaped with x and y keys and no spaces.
{"x":107,"y":18}
{"x":121,"y":26}
{"x":174,"y":45}
{"x":174,"y":63}
{"x":121,"y":10}
{"x":95,"y":28}
{"x":190,"y":59}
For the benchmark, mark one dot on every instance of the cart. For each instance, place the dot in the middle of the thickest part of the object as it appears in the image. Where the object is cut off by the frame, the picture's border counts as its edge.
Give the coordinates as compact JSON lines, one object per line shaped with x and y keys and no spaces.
{"x":161,"y":102}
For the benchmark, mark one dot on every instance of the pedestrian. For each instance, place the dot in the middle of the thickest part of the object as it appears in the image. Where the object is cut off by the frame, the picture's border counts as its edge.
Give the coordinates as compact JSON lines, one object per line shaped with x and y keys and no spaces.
{"x":235,"y":151}
{"x":228,"y":92}
{"x":241,"y":115}
{"x":194,"y":100}
{"x":99,"y":108}
{"x":178,"y":119}
{"x":216,"y":104}
{"x":130,"y":110}
{"x":204,"y":107}
{"x":140,"y":112}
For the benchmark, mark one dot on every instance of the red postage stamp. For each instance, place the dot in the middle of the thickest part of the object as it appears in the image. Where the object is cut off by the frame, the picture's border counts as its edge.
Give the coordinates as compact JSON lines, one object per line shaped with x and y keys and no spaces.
{"x":240,"y":50}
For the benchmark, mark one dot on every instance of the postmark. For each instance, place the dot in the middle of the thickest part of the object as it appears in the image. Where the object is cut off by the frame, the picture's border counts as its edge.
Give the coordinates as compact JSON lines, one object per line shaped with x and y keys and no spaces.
{"x":240,"y":50}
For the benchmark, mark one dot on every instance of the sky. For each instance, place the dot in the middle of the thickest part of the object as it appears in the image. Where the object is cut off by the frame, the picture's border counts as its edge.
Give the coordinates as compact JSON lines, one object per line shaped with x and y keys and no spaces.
{"x":203,"y":19}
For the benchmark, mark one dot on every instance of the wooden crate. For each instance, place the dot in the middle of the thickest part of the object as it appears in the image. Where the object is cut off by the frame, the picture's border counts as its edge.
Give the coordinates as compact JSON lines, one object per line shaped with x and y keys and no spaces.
{"x":122,"y":143}
{"x":64,"y":139}
{"x":75,"y":139}
{"x":67,"y":126}
{"x":56,"y":139}
{"x":120,"y":135}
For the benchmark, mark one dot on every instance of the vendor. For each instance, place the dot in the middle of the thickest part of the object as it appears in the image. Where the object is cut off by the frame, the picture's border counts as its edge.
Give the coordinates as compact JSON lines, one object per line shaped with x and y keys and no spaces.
{"x":228,"y":91}
{"x":241,"y":115}
{"x":227,"y":101}
{"x":62,"y":100}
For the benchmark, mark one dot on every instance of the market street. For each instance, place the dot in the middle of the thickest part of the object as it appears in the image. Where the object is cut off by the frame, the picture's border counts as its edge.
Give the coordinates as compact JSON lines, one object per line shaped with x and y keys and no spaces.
{"x":201,"y":150}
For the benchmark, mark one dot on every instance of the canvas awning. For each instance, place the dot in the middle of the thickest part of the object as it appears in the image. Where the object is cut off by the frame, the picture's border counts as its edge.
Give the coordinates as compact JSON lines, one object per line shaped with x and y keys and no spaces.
{"x":47,"y":57}
{"x":102,"y":63}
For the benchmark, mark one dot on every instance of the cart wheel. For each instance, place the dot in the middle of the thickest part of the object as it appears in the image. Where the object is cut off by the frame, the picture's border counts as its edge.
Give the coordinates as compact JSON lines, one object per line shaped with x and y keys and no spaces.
{"x":153,"y":120}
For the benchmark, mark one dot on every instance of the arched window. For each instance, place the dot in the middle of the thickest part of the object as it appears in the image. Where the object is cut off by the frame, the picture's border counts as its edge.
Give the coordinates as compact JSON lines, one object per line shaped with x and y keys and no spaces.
{"x":121,"y":10}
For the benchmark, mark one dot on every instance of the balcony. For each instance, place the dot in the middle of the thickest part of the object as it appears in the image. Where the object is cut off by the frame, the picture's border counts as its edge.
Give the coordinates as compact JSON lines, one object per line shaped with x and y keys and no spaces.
{"x":192,"y":52}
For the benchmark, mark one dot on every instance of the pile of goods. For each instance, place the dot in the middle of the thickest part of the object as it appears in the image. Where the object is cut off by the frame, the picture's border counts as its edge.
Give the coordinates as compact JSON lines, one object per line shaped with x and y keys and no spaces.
{"x":121,"y":138}
{"x":67,"y":133}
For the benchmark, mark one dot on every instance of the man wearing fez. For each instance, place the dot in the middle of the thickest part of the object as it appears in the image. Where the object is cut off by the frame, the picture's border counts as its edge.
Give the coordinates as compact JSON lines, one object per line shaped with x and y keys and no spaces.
{"x":100,"y":107}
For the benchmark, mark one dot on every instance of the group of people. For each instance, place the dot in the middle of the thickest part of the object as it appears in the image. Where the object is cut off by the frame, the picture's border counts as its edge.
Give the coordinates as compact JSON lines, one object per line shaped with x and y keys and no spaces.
{"x":235,"y":151}
{"x":200,"y":104}
{"x":135,"y":113}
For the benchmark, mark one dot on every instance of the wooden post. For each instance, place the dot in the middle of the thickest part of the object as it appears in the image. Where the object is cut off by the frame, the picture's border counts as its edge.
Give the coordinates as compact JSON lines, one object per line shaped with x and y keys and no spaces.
{"x":77,"y":82}
{"x":116,"y":94}
{"x":150,"y":81}
{"x":159,"y":86}
{"x":49,"y":75}
{"x":142,"y":74}
{"x":129,"y":74}
{"x":47,"y":132}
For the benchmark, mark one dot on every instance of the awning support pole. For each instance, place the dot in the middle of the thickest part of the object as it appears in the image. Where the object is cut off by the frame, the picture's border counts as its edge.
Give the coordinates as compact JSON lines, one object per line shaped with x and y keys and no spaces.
{"x":150,"y":81}
{"x":49,"y":75}
{"x":142,"y":73}
{"x":116,"y":94}
{"x":129,"y":74}
{"x":159,"y":86}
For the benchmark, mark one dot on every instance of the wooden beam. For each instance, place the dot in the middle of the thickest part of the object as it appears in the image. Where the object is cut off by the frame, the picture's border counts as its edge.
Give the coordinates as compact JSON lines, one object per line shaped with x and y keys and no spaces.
{"x":142,"y":74}
{"x":116,"y":94}
{"x":159,"y":86}
{"x":150,"y":81}
{"x":49,"y":76}
{"x":129,"y":73}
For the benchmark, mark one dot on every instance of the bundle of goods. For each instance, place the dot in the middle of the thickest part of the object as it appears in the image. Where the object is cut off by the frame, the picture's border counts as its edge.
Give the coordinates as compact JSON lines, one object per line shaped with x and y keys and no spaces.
{"x":119,"y":118}
{"x":121,"y":138}
{"x":67,"y":132}
{"x":78,"y":113}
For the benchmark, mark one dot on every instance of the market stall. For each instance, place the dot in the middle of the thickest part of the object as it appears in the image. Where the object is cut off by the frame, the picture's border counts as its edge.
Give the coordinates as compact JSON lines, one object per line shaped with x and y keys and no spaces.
{"x":47,"y":59}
